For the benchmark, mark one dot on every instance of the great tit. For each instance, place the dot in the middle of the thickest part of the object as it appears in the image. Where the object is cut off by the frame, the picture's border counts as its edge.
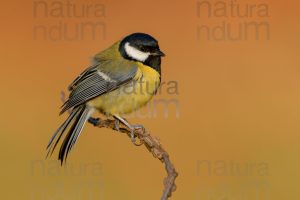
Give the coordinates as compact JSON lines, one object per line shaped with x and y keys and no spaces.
{"x":121,"y":79}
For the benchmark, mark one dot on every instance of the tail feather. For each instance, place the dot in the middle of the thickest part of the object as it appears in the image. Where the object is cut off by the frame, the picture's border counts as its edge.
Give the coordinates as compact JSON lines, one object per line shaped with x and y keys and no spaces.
{"x":59,"y":132}
{"x":75,"y":123}
{"x":73,"y":134}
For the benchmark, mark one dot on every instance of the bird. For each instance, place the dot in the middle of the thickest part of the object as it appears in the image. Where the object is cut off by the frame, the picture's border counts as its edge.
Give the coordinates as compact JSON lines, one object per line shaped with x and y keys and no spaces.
{"x":120,"y":80}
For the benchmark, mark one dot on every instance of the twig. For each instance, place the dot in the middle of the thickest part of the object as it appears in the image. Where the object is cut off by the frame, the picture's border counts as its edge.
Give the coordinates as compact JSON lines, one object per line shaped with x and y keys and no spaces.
{"x":152,"y":144}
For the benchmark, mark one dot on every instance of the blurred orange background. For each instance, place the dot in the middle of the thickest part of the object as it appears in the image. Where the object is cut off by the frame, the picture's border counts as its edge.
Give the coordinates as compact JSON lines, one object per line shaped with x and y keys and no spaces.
{"x":239,"y":103}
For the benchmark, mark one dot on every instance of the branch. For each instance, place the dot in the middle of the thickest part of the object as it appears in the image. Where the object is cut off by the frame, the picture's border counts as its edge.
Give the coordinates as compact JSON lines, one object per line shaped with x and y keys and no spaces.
{"x":151,"y":143}
{"x":154,"y":146}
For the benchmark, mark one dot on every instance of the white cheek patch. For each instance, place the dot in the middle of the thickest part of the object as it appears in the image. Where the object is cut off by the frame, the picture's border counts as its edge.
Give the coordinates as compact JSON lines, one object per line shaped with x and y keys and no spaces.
{"x":135,"y":53}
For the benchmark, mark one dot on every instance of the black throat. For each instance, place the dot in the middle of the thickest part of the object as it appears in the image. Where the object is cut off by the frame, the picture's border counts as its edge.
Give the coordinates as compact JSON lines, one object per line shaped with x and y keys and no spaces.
{"x":154,"y":62}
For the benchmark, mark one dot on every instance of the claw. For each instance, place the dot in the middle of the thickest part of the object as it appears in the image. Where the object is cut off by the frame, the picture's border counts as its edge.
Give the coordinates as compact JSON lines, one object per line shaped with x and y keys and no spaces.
{"x":138,"y":126}
{"x":94,"y":121}
{"x":132,"y":129}
{"x":132,"y":135}
{"x":117,"y":125}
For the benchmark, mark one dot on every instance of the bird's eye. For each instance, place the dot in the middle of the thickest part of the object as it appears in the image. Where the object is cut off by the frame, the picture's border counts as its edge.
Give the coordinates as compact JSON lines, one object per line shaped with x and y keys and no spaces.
{"x":142,"y":48}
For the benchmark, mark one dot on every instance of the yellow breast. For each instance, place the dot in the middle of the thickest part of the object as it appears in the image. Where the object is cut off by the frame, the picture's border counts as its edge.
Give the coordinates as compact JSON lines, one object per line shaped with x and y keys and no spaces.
{"x":131,"y":96}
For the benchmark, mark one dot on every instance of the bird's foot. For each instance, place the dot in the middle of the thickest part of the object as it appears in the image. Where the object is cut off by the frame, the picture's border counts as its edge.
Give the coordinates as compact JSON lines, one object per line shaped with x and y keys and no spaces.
{"x":133,"y":128}
{"x":94,"y":121}
{"x":117,"y":124}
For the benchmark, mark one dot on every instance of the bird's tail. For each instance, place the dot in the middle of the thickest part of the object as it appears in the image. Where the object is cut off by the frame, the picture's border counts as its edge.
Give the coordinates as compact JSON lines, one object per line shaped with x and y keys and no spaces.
{"x":74,"y":124}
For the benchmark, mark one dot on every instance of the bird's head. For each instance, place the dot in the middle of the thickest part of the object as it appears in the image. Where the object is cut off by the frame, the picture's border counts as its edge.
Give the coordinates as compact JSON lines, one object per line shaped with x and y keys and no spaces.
{"x":140,"y":47}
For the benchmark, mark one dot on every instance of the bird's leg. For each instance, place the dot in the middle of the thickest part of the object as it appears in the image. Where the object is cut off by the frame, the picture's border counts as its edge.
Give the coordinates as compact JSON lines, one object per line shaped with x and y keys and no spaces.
{"x":94,"y":121}
{"x":131,"y":127}
{"x":128,"y":125}
{"x":117,"y":124}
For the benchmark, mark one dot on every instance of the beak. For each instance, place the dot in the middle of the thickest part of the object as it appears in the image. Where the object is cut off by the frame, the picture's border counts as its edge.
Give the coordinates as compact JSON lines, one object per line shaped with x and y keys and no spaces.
{"x":158,"y":53}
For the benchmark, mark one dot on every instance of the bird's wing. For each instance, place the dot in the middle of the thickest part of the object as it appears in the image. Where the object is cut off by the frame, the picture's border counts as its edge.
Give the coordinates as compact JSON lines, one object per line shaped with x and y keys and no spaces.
{"x":85,"y":74}
{"x":99,"y":79}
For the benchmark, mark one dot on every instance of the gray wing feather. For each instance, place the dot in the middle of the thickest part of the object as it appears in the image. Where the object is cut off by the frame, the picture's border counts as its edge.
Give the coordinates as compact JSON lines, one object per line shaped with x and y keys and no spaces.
{"x":85,"y":74}
{"x":91,"y":84}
